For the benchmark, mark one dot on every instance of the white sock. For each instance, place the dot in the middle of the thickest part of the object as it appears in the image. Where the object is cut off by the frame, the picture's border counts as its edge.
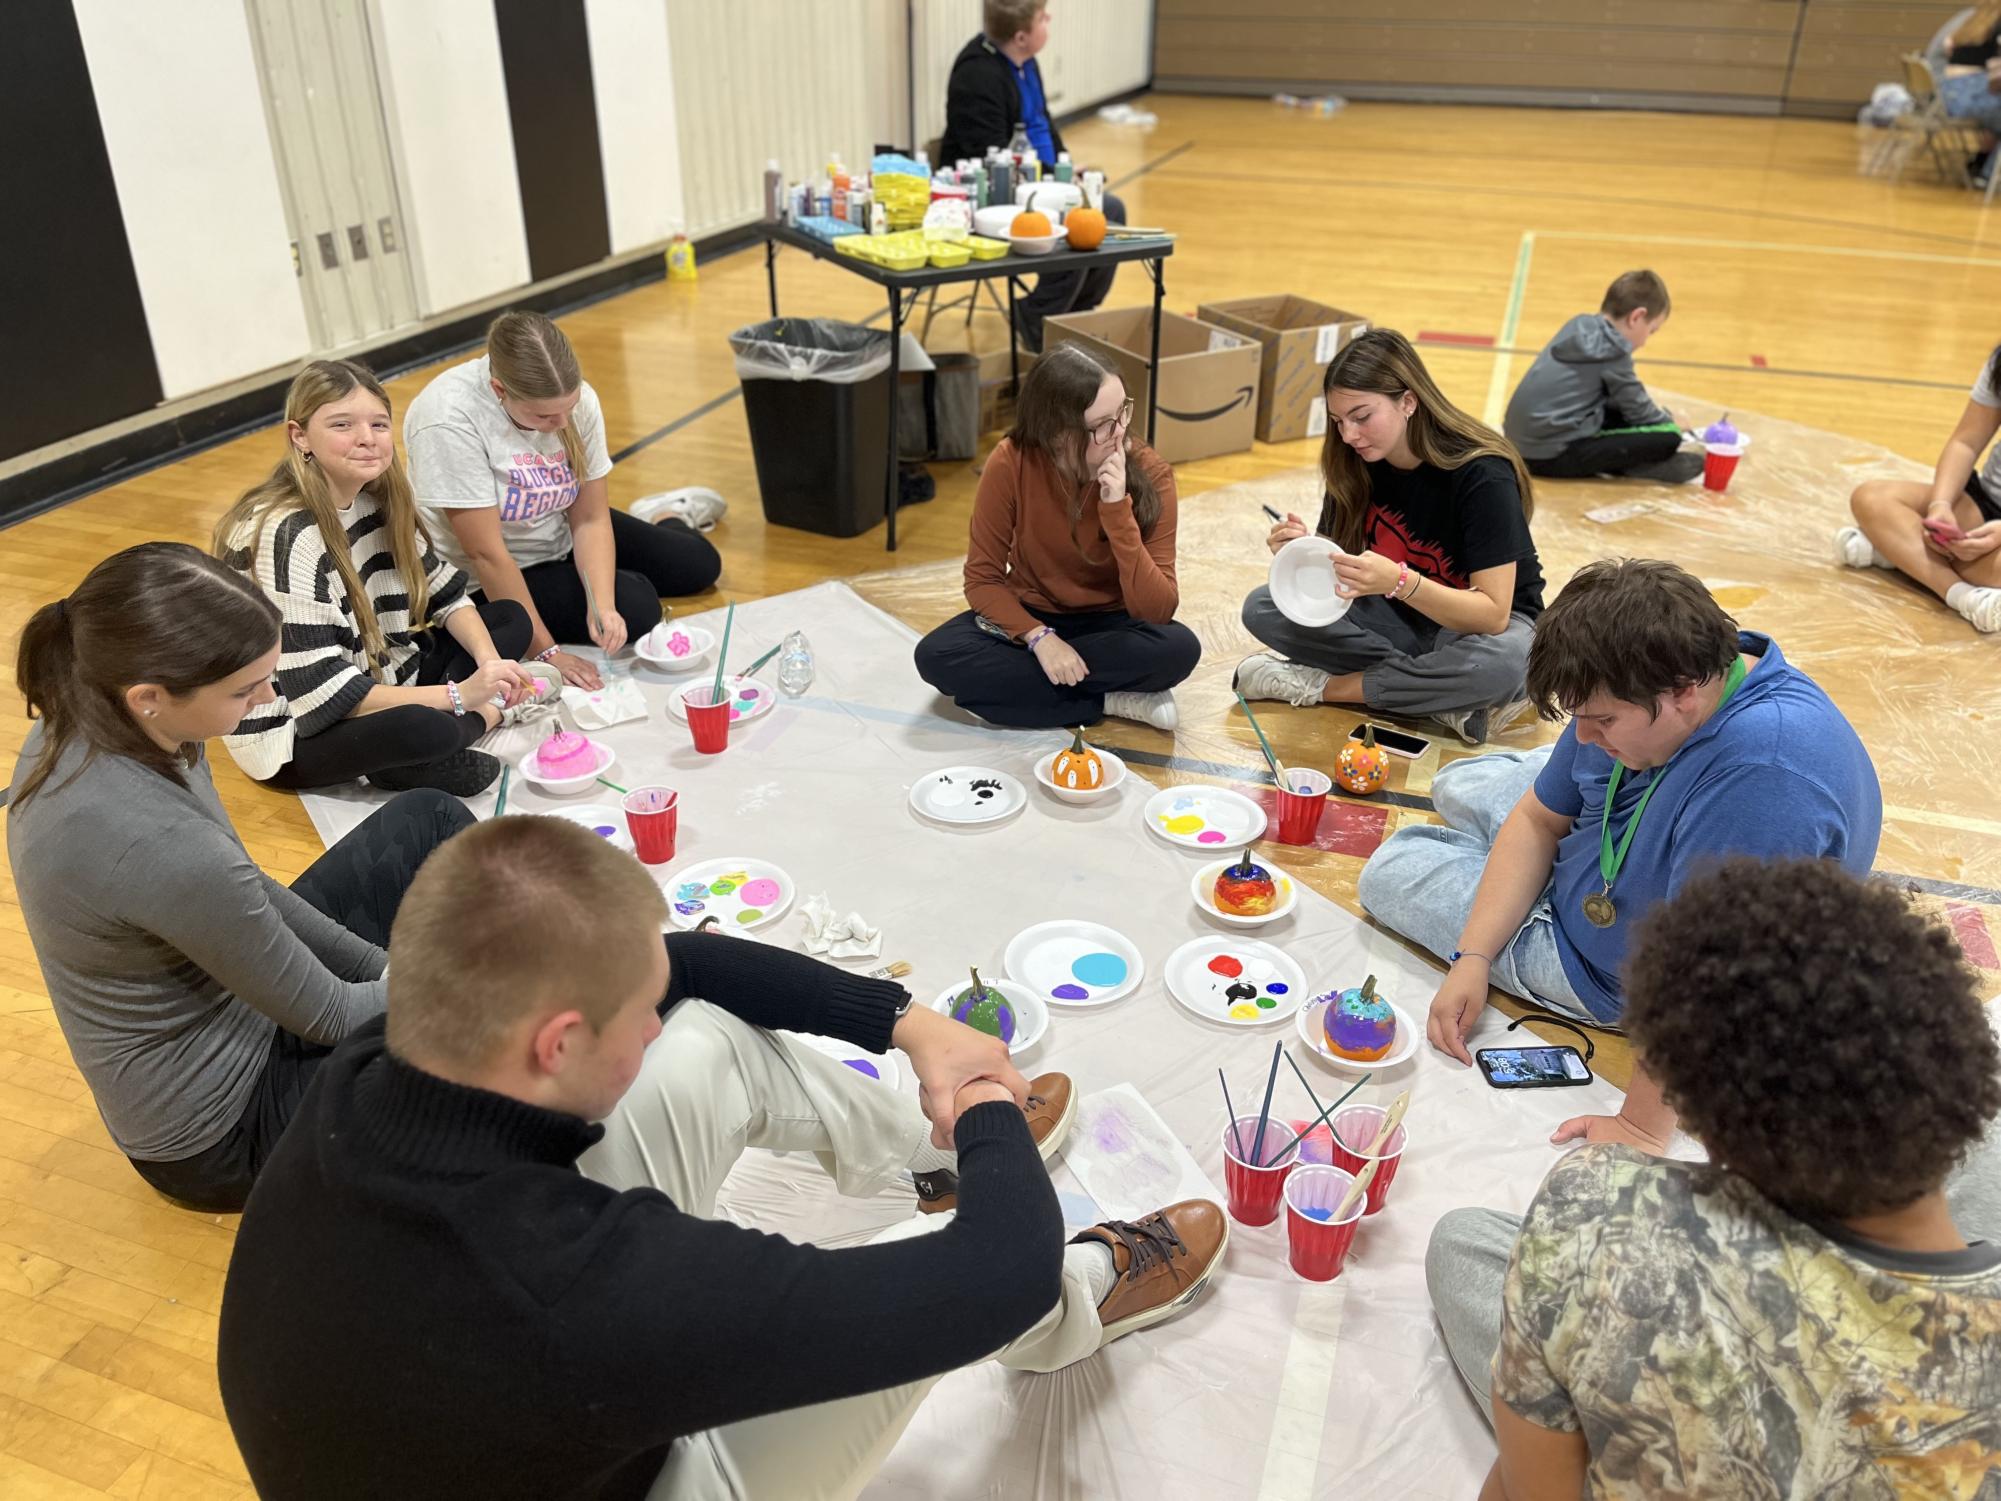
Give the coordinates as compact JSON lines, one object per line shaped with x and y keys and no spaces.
{"x":1101,"y":1270}
{"x":1960,"y":595}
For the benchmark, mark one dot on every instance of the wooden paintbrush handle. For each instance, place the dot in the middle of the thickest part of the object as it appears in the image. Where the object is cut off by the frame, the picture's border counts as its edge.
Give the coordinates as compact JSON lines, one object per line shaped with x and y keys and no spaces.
{"x":1355,"y":1191}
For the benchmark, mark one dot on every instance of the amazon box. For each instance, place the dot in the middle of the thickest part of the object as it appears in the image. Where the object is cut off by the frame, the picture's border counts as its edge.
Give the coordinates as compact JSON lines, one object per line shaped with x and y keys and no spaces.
{"x":1298,"y":337}
{"x":1208,"y":376}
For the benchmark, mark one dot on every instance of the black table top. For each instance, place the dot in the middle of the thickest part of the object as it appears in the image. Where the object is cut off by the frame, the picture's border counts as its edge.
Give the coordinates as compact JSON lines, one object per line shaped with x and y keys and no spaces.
{"x":1110,"y":253}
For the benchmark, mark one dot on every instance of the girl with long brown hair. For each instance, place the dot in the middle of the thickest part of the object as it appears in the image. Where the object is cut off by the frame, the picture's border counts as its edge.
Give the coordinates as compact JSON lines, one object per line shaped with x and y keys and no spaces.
{"x":508,"y":457}
{"x":197,"y":994}
{"x":388,"y":671}
{"x":1070,"y":568}
{"x":1431,"y":512}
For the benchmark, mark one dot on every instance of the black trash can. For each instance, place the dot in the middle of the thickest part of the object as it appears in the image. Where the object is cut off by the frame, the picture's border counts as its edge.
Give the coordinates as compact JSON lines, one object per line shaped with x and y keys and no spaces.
{"x":816,"y":395}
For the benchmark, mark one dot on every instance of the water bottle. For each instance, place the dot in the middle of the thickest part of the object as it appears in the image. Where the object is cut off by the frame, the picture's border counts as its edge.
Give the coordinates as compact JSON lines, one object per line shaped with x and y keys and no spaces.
{"x":1018,"y":147}
{"x":795,"y":665}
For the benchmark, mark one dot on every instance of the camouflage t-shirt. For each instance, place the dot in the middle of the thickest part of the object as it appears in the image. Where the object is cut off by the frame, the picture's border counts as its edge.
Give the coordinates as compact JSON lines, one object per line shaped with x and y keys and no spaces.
{"x":1708,"y":1344}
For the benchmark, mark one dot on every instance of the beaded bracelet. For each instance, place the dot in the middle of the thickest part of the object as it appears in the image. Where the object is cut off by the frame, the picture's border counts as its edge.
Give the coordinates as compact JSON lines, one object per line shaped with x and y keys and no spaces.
{"x":452,"y":693}
{"x":546,"y":653}
{"x":1403,"y":577}
{"x":1036,"y":635}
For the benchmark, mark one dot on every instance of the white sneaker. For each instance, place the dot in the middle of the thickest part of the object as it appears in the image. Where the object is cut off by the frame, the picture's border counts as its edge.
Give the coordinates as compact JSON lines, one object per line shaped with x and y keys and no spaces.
{"x":1265,"y":675}
{"x":1980,"y":607}
{"x":699,"y":507}
{"x":1470,"y":725}
{"x":1156,"y":709}
{"x":1853,"y":548}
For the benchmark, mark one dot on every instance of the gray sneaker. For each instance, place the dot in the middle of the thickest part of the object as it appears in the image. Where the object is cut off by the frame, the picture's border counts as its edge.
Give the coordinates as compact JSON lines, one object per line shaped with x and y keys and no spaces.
{"x":1266,"y":675}
{"x":1470,"y":725}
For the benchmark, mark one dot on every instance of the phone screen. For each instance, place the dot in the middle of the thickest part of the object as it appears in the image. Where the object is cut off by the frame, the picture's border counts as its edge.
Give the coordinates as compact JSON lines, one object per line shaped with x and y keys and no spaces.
{"x":1532,"y":1068}
{"x":1395,"y":741}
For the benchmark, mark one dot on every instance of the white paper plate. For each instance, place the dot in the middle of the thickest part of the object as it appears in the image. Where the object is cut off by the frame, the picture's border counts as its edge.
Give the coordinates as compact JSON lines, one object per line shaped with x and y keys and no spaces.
{"x":751,"y":698}
{"x":1224,"y":978}
{"x":1115,"y":773}
{"x":967,"y":795}
{"x":676,"y":648}
{"x":1302,"y":583}
{"x":1070,"y":962}
{"x":1202,"y":818}
{"x":879,"y":1066}
{"x":1204,"y":889}
{"x":755,"y":892}
{"x":601,"y":819}
{"x":1031,"y":1016}
{"x":1314,"y":1035}
{"x":606,"y":756}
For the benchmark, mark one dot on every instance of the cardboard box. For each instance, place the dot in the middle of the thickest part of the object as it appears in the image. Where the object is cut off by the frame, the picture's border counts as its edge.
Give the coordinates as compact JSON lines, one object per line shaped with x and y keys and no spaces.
{"x":1299,"y":336}
{"x":1208,"y":376}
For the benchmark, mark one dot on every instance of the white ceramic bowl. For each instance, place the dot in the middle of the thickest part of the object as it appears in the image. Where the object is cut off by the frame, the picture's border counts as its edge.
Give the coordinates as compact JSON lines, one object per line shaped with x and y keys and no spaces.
{"x":1034,"y":244}
{"x":1115,"y":773}
{"x":1031,"y":1016}
{"x":995,"y":222}
{"x":562,"y":785}
{"x":654,"y":650}
{"x":1203,"y":889}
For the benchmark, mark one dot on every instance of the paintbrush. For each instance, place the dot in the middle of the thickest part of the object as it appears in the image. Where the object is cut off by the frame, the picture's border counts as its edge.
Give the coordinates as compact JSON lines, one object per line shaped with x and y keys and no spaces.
{"x":722,"y":653}
{"x":611,"y":784}
{"x":500,"y":799}
{"x":1326,"y":1113}
{"x":1236,"y":1131}
{"x":751,"y":671}
{"x":1391,"y":1120}
{"x":895,"y":970}
{"x":1264,"y":1110}
{"x":1271,"y":757}
{"x":1355,"y":1191}
{"x":591,"y":603}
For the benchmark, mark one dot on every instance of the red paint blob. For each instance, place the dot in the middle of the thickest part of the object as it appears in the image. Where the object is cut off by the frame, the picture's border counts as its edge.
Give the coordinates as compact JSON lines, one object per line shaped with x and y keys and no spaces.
{"x":1227,"y":967}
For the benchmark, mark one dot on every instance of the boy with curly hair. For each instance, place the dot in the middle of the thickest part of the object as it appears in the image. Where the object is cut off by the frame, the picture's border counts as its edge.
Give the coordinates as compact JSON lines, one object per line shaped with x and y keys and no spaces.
{"x":1801,"y":1315}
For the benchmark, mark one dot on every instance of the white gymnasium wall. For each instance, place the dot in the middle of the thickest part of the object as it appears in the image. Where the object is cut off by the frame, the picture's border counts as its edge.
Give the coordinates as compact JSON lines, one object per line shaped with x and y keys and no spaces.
{"x":183,"y":114}
{"x":453,"y":145}
{"x":632,"y":74}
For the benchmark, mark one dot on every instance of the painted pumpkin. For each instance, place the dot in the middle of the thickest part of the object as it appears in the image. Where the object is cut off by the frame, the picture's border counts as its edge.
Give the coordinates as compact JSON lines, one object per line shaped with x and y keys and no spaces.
{"x":1077,"y":767}
{"x":1363,"y":764}
{"x":1245,"y":889}
{"x":1031,"y":223}
{"x":1086,"y":228}
{"x":984,"y":1009}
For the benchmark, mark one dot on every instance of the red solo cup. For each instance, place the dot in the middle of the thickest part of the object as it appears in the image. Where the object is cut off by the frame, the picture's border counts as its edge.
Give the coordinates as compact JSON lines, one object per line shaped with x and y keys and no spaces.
{"x":708,"y":722}
{"x":1317,"y":1241}
{"x":653,"y":814}
{"x":1316,"y":1147}
{"x":1719,"y":462}
{"x":1354,"y":1129}
{"x":1301,"y":804}
{"x":1254,"y":1191}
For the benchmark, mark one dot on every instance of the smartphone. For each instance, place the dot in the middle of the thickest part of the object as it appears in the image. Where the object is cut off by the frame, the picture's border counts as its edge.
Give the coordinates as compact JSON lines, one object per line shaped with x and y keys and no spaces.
{"x":1548,"y":1067}
{"x":1276,"y":518}
{"x":1396,"y":742}
{"x":1945,"y":531}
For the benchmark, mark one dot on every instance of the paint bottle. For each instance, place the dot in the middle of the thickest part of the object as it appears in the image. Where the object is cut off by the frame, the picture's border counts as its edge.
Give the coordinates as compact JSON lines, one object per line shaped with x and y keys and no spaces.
{"x":980,"y":186}
{"x":1017,"y":148}
{"x":1065,"y":172}
{"x":840,"y":191}
{"x":1031,"y":166}
{"x":1000,"y":179}
{"x":878,"y":219}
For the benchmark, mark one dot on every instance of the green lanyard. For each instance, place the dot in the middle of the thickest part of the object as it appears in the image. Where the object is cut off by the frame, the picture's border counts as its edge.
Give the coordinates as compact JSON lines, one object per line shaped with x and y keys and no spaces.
{"x":1610,"y":860}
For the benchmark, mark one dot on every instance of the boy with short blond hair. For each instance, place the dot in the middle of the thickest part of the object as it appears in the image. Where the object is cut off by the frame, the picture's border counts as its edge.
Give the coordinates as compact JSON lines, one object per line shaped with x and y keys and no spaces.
{"x":1581,"y":409}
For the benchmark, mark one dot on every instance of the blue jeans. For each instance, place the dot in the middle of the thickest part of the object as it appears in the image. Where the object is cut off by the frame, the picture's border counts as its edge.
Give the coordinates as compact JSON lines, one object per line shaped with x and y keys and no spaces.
{"x":1421,"y":882}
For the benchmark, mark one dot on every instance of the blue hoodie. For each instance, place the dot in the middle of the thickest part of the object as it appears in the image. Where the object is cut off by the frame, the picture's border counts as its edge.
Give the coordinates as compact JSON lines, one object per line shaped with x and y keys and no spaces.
{"x":1776,"y":772}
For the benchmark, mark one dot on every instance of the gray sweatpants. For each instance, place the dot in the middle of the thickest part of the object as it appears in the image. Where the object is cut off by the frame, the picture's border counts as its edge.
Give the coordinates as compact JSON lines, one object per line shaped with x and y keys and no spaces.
{"x":1405,"y":670}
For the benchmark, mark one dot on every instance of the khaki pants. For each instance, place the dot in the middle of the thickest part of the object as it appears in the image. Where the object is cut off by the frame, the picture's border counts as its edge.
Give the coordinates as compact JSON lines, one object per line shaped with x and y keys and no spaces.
{"x":712,"y":1085}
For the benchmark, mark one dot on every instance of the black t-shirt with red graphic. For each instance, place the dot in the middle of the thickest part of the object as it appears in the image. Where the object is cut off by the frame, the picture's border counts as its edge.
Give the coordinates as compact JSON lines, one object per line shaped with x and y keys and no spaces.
{"x":1448,"y":524}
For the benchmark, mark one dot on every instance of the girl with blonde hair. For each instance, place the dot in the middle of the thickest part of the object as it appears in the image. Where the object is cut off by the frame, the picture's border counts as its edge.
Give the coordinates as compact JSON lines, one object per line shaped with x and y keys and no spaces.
{"x":1431,"y":512}
{"x":1070,"y":570}
{"x":388,"y":671}
{"x":508,"y":456}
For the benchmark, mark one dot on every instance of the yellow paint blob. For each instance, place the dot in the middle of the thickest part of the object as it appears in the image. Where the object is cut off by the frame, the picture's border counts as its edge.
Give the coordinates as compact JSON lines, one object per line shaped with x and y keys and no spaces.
{"x":1186,"y":823}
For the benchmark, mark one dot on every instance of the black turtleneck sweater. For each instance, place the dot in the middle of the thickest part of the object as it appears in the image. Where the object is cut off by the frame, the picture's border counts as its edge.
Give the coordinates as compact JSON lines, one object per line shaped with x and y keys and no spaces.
{"x":428,"y":1299}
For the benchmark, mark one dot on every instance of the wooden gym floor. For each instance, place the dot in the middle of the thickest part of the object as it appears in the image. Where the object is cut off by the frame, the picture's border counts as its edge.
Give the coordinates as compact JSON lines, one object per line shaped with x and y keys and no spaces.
{"x":1826,"y":309}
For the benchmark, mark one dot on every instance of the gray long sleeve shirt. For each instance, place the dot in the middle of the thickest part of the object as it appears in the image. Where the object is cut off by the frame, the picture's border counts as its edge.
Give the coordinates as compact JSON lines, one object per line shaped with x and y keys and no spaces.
{"x":169,"y":956}
{"x":1582,"y":382}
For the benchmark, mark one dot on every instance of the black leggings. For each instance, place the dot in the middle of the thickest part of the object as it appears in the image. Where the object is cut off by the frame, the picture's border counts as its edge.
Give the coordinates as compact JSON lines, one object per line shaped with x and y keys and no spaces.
{"x":1004,"y":683}
{"x":359,"y":883}
{"x":1608,"y":453}
{"x":654,"y":558}
{"x":409,"y":734}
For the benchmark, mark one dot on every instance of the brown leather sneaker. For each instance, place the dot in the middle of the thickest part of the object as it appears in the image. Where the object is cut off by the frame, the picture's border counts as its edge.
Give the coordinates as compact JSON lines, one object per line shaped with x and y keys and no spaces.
{"x":1052,"y":1106}
{"x":1163,"y":1263}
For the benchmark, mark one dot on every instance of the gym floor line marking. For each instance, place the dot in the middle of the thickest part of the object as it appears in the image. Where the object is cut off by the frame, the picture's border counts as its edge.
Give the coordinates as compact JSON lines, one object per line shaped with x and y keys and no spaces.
{"x":1924,"y":257}
{"x":1504,"y":364}
{"x":1476,"y":341}
{"x":1910,"y":381}
{"x":1159,"y":161}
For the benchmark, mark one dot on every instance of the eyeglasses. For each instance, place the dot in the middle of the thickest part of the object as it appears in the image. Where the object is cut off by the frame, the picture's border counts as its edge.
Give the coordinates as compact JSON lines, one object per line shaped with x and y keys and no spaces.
{"x":1103,"y":431}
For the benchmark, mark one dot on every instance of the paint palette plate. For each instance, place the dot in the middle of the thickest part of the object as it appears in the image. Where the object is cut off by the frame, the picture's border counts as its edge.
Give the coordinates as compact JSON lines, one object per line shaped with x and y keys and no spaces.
{"x":1031,"y":1016}
{"x":742,"y":893}
{"x":1302,"y":582}
{"x":1314,"y":1034}
{"x":967,"y":794}
{"x":1204,"y":889}
{"x":603,"y":820}
{"x":1204,"y":818}
{"x":676,"y":648}
{"x":1241,"y":982}
{"x":528,"y":768}
{"x":882,"y":1067}
{"x":750,"y":698}
{"x":1070,"y":962}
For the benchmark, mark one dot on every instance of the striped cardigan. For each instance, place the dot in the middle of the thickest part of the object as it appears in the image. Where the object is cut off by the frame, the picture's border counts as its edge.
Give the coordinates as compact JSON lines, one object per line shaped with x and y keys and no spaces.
{"x":323,"y":670}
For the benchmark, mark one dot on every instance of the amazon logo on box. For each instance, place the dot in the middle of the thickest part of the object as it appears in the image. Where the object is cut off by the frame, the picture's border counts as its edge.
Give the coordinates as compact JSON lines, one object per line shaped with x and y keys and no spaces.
{"x":1209,"y":380}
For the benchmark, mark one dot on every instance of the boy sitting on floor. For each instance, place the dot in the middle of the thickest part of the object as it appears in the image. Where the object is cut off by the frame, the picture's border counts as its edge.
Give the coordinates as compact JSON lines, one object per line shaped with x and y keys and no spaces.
{"x":1801,"y":1315}
{"x":1581,"y":410}
{"x":450,"y":1282}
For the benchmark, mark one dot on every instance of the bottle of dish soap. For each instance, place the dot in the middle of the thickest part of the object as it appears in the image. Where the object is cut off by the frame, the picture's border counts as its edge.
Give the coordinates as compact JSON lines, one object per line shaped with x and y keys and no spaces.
{"x":680,"y":260}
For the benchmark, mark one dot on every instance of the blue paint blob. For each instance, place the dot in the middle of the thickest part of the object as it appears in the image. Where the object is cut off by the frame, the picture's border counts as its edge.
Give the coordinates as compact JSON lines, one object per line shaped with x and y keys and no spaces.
{"x":1318,"y":1214}
{"x":862,"y":1066}
{"x":1276,"y":988}
{"x":604,"y":830}
{"x":1070,"y":993}
{"x":1100,"y":969}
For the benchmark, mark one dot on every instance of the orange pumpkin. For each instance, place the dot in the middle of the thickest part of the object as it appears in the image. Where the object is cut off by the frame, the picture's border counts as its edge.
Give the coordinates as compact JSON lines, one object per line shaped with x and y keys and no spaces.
{"x":1363,"y":764}
{"x":1086,"y":228}
{"x":1078,"y":767}
{"x":1031,"y":223}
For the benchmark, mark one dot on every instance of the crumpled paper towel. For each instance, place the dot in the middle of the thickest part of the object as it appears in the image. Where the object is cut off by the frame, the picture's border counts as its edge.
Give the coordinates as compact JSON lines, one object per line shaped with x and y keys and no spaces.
{"x":616,"y":702}
{"x":847,"y":937}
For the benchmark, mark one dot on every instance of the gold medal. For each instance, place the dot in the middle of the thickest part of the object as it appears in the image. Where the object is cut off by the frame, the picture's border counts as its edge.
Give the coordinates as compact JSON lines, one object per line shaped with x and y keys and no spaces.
{"x":1599,"y":911}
